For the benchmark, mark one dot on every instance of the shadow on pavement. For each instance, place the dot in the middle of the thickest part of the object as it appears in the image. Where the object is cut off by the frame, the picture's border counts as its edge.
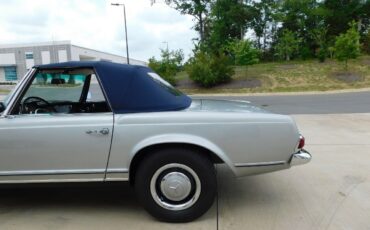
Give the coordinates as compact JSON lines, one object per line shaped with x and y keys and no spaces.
{"x":82,"y":206}
{"x":119,"y":197}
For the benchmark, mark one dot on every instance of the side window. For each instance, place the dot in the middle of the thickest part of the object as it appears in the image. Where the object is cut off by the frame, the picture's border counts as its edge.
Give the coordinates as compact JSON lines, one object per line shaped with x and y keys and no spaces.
{"x":63,"y":91}
{"x":95,"y":93}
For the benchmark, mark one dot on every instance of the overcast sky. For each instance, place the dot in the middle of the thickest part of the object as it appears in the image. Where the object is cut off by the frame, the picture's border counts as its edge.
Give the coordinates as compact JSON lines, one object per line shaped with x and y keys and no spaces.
{"x":98,"y":25}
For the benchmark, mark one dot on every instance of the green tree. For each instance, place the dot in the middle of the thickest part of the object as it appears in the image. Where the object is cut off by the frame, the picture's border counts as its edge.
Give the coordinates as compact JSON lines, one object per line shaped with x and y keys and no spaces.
{"x":199,"y":9}
{"x":243,"y":52}
{"x":228,"y":21}
{"x":342,"y":12}
{"x":303,"y":17}
{"x":207,"y":69}
{"x":331,"y":50}
{"x":319,"y":35}
{"x":347,"y":45}
{"x":264,"y":22}
{"x":169,"y":64}
{"x":366,"y":43}
{"x":287,"y":45}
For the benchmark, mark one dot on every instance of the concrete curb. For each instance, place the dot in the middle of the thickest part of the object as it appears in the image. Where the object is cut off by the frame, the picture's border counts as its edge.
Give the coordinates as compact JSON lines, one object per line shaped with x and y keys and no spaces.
{"x":284,"y":93}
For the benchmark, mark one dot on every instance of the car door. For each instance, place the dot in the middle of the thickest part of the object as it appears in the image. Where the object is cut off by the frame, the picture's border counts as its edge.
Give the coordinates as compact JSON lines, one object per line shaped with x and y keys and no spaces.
{"x":57,"y":146}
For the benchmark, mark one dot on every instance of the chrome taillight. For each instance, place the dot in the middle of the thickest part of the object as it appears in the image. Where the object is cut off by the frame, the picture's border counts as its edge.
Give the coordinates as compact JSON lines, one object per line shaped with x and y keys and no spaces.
{"x":301,"y":142}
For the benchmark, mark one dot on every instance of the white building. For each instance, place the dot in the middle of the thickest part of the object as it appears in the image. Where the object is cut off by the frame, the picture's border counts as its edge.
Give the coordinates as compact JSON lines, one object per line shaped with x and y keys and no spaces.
{"x":16,"y":59}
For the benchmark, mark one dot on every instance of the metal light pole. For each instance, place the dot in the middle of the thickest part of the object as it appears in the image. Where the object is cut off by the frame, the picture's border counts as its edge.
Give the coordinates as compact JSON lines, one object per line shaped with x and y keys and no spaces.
{"x":124,"y":15}
{"x":165,"y":42}
{"x":168,"y":52}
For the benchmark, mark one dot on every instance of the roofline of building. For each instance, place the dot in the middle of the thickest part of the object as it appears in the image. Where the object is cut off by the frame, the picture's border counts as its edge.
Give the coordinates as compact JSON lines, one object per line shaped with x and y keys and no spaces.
{"x":106,"y":53}
{"x":21,"y":45}
{"x":64,"y":42}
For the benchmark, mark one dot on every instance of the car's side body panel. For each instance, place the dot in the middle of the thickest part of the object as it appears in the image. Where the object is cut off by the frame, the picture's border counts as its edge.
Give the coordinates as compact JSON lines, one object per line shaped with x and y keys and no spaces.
{"x":242,"y":140}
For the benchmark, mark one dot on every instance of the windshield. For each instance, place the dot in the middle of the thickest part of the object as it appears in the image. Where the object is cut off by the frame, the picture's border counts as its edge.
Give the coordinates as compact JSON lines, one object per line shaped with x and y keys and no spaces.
{"x":57,"y":86}
{"x":9,"y":96}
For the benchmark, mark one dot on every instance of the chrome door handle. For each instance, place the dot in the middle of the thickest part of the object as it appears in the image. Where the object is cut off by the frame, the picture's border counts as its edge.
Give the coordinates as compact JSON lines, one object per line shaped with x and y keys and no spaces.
{"x":91,"y":131}
{"x":104,"y":131}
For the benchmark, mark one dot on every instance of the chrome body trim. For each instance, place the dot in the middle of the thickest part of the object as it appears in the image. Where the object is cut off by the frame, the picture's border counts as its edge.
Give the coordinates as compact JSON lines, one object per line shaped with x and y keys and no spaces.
{"x":117,"y":170}
{"x":270,"y":163}
{"x":117,"y":177}
{"x":118,"y":174}
{"x":39,"y":181}
{"x":60,"y":176}
{"x":51,"y":172}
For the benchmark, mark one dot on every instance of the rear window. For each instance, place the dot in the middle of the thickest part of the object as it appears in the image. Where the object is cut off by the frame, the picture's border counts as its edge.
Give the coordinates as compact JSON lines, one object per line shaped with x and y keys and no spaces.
{"x":164,"y":84}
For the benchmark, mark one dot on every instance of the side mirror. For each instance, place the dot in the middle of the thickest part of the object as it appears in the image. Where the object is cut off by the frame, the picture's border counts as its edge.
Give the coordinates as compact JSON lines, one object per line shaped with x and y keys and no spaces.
{"x":2,"y":107}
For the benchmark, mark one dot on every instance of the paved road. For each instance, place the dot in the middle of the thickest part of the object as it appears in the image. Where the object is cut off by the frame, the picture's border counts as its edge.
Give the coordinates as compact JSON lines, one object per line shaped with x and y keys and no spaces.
{"x":357,"y":102}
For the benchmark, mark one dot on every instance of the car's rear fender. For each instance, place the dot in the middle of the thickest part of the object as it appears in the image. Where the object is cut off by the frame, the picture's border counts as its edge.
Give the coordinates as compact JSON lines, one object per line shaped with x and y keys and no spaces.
{"x":190,"y":140}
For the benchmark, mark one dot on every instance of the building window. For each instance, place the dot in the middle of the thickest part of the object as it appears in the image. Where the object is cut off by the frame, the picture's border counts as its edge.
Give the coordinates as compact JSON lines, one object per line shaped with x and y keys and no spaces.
{"x":45,"y":57}
{"x":30,"y":62}
{"x":29,"y":55}
{"x":10,"y":73}
{"x":62,"y":55}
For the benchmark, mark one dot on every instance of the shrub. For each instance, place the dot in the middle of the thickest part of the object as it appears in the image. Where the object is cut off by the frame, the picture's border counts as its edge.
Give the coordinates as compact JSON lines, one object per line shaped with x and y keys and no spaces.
{"x":243,"y":52}
{"x":322,"y":53}
{"x":347,"y":45}
{"x":208,"y":70}
{"x":169,"y":64}
{"x":366,"y":43}
{"x":331,"y":51}
{"x":305,"y":52}
{"x":288,"y":45}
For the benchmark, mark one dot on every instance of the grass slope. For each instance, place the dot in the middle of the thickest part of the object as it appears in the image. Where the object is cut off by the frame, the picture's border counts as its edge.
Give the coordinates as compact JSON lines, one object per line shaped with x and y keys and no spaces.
{"x":294,"y":76}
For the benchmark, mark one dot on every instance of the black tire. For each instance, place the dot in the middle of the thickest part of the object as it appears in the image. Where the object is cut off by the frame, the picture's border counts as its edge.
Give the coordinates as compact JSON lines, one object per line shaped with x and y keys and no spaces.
{"x":197,"y":162}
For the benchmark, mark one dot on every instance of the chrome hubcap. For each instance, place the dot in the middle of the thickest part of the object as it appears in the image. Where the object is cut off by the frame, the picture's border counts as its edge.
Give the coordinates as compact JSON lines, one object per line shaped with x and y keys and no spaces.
{"x":175,"y":187}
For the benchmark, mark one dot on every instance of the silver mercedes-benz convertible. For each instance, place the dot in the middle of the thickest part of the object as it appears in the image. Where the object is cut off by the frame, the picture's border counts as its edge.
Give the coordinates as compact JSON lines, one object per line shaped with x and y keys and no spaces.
{"x":101,"y":121}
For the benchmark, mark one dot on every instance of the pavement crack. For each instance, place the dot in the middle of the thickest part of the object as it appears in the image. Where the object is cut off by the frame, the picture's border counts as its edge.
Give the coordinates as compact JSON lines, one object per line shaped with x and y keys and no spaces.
{"x":353,"y":183}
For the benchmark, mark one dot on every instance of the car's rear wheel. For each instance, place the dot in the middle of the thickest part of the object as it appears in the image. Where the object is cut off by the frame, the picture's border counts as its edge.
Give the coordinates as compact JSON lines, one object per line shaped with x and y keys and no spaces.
{"x":176,"y":185}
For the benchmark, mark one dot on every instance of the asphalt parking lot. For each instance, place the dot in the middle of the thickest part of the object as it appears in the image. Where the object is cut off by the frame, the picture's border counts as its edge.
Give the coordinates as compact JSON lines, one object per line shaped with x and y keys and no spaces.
{"x":331,"y":192}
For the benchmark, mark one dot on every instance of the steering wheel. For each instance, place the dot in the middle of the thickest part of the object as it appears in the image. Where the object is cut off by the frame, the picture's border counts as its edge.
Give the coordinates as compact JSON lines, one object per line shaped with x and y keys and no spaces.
{"x":31,"y":104}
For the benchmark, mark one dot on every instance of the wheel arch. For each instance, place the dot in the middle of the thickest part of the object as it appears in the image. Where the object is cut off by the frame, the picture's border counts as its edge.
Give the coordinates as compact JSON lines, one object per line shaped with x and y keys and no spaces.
{"x":198,"y":144}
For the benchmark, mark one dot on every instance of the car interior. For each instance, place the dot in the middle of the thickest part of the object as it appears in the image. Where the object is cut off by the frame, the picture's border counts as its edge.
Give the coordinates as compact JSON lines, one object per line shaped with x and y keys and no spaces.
{"x":65,"y":91}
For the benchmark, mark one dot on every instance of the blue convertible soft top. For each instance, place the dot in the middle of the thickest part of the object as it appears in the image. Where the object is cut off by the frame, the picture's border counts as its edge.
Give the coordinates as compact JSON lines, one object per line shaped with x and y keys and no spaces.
{"x":130,"y":88}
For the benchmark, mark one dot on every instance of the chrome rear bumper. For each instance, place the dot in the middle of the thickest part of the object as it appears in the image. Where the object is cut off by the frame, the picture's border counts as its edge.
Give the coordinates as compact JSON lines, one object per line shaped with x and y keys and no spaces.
{"x":300,"y":157}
